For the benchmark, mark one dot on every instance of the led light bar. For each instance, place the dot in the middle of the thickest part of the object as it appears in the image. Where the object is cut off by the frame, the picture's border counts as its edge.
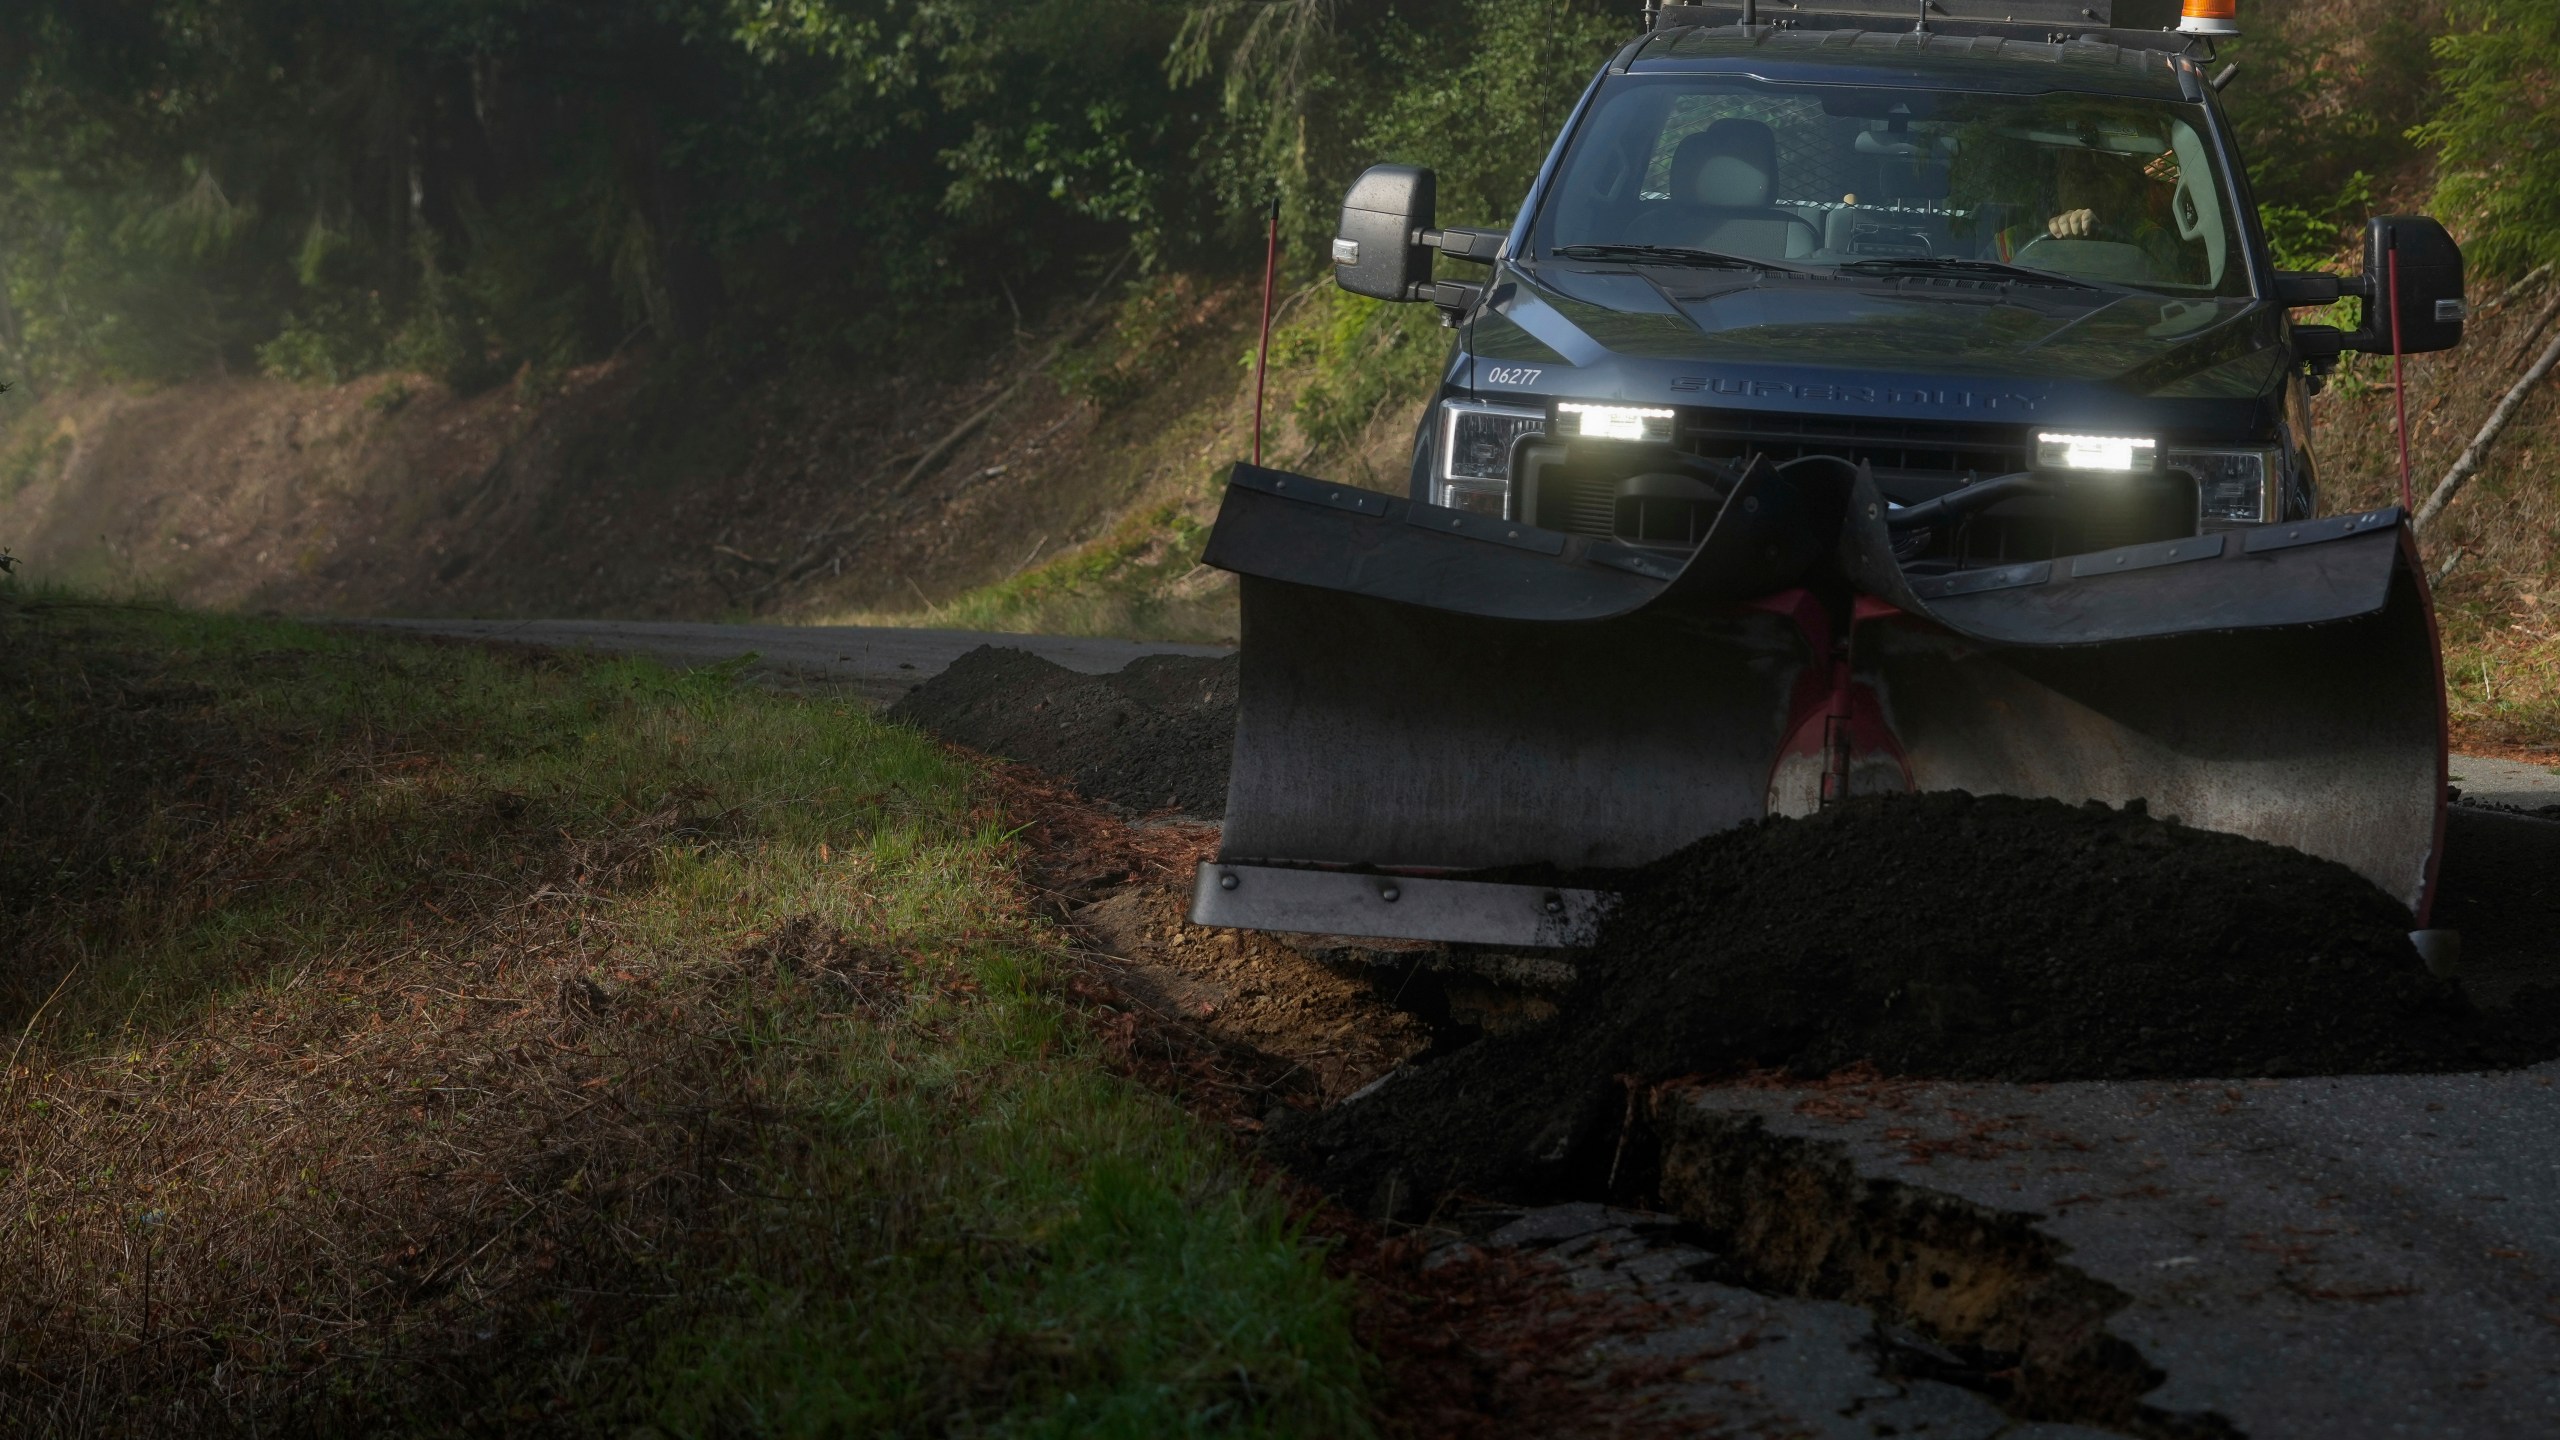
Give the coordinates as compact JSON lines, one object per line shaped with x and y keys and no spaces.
{"x":2119,"y":453}
{"x":2209,"y":17}
{"x":1615,"y":422}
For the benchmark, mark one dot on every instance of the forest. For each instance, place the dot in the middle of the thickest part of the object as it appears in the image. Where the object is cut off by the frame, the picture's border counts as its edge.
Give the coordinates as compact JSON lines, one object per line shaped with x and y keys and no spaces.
{"x":484,"y":189}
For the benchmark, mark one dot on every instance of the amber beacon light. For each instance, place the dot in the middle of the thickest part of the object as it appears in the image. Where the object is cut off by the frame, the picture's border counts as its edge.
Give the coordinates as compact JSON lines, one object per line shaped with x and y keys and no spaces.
{"x":2209,"y":17}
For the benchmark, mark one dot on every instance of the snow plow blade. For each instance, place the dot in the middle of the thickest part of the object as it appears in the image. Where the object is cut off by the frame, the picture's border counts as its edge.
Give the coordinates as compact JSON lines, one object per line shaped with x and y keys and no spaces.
{"x":1431,"y":695}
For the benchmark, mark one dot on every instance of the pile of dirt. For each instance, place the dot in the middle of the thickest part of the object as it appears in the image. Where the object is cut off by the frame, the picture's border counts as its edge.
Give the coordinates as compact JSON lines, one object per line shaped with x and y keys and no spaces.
{"x":1153,"y":736}
{"x":1943,"y":935}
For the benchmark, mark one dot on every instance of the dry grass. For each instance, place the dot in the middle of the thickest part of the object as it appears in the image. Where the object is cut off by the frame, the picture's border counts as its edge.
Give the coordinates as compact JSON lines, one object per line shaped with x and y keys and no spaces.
{"x":427,"y":1041}
{"x":2501,"y":636}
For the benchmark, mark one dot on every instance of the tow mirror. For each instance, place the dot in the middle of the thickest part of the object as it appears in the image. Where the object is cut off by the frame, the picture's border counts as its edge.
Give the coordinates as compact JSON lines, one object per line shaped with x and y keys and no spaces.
{"x":1384,"y":245}
{"x":2411,"y":266}
{"x":2410,"y":261}
{"x":1378,"y":249}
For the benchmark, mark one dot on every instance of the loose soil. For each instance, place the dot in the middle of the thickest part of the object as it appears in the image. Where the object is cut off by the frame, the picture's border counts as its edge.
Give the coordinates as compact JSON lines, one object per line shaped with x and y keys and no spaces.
{"x":1154,"y":736}
{"x":1992,"y":938}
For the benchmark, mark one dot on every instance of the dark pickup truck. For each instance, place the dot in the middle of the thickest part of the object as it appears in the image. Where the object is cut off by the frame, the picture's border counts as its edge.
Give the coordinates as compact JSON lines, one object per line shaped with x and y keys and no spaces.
{"x":2001,"y":251}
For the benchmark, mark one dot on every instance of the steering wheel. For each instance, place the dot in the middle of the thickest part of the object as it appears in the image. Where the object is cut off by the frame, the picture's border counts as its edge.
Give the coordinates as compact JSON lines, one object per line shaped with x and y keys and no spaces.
{"x":2085,"y":257}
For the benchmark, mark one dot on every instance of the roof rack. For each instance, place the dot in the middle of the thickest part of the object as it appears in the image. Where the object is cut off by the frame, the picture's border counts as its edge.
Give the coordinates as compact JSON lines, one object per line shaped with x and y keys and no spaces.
{"x":2135,"y":24}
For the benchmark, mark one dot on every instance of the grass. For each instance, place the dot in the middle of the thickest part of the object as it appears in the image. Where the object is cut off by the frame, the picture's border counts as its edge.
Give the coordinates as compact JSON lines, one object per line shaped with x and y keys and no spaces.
{"x":1142,"y":580}
{"x":420,"y":1039}
{"x":2497,"y":612}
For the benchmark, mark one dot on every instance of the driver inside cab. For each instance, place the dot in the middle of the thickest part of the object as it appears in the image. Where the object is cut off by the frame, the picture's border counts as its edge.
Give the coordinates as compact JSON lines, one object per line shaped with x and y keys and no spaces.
{"x":2104,"y":196}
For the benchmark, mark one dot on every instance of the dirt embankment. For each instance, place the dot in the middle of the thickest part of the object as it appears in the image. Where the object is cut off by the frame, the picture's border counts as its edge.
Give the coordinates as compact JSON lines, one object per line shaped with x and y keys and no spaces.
{"x":630,"y":488}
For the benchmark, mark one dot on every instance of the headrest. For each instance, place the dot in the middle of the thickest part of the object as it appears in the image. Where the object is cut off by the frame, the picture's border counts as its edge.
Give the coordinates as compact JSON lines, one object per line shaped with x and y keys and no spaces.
{"x":1732,"y":164}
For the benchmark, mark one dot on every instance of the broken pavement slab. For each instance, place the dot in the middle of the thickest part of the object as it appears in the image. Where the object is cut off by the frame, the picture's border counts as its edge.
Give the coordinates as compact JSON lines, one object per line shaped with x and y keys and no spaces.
{"x":2334,"y":1257}
{"x":1716,"y":1358}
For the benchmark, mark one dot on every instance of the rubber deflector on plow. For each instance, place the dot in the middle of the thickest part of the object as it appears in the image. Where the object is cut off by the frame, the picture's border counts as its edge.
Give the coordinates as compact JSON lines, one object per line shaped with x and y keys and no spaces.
{"x":1427,"y":694}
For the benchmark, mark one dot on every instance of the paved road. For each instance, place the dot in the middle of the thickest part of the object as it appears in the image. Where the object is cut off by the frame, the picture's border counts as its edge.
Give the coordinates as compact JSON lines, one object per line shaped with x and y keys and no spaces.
{"x":2506,"y":782}
{"x":878,"y":663}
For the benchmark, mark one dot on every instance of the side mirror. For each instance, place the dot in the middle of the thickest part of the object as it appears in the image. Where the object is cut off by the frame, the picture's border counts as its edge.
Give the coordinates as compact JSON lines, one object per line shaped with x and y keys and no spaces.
{"x":1384,"y":245}
{"x":2409,"y":257}
{"x":2410,"y":260}
{"x":1378,"y":249}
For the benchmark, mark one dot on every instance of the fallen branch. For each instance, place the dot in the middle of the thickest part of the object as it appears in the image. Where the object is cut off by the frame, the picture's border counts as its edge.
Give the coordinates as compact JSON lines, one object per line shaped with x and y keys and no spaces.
{"x":1041,"y":545}
{"x":2469,"y":462}
{"x":1075,"y":334}
{"x":2532,"y":277}
{"x":2444,"y":572}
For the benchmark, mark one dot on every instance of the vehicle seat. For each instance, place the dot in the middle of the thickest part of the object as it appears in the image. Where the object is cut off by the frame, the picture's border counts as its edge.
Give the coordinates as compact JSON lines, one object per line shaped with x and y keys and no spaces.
{"x":1721,"y":181}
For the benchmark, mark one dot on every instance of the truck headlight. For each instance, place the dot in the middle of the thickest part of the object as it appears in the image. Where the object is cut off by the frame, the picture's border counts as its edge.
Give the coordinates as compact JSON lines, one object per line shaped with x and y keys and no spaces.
{"x":2233,"y":487}
{"x":1475,"y":454}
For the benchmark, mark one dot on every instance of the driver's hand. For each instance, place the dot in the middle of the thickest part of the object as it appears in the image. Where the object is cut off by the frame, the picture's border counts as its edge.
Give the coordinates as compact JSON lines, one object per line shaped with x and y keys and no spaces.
{"x":2072,"y":225}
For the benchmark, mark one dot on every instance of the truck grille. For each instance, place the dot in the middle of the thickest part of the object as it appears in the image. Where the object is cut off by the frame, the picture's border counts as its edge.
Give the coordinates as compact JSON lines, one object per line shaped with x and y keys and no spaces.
{"x":1933,"y":453}
{"x":1912,"y":460}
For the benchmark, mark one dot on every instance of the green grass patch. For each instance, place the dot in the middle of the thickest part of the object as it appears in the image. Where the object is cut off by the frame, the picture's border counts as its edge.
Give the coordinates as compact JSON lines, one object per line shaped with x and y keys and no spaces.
{"x":425,"y":1039}
{"x":1142,"y":581}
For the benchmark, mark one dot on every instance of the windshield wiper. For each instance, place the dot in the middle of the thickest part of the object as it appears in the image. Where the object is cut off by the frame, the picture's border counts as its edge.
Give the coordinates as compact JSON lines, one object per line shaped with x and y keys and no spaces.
{"x":1924,"y":264}
{"x":1671,"y":255}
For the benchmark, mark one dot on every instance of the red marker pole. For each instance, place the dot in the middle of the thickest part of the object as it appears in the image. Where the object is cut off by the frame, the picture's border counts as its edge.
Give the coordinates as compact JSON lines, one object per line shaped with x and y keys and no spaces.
{"x":1262,"y":361}
{"x":2399,"y":391}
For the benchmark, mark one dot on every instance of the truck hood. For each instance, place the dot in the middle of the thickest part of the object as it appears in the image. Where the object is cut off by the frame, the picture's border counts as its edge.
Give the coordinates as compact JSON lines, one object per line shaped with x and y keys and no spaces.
{"x":2129,"y":342}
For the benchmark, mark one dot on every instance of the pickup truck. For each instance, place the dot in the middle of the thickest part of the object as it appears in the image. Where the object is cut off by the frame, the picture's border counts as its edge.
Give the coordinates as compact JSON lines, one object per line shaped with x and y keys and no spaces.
{"x":2002,"y":252}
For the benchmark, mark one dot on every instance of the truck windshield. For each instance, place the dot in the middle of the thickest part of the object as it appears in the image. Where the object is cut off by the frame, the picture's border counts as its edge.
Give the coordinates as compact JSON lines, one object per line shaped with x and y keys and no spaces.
{"x":2105,"y":190}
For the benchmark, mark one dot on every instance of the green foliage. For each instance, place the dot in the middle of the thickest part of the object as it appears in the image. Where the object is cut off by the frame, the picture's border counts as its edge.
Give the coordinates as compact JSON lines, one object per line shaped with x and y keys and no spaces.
{"x":537,"y":182}
{"x":2321,"y":235}
{"x":2326,"y":92}
{"x":2497,"y":134}
{"x":1128,"y":583}
{"x":331,"y":339}
{"x":1485,"y":121}
{"x":1137,"y":349}
{"x":1363,"y":356}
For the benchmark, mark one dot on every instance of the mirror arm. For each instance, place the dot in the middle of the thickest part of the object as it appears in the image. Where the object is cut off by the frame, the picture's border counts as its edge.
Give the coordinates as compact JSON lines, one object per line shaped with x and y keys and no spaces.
{"x":1460,"y":242}
{"x":1454,"y":298}
{"x":2297,"y":289}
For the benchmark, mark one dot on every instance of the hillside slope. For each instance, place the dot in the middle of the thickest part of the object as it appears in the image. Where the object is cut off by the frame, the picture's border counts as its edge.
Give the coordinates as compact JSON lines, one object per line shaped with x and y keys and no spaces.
{"x":628,"y":488}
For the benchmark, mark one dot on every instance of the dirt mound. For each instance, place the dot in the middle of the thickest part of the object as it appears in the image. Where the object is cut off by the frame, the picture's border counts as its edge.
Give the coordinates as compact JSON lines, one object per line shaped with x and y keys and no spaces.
{"x":1153,"y":736}
{"x":1944,"y":935}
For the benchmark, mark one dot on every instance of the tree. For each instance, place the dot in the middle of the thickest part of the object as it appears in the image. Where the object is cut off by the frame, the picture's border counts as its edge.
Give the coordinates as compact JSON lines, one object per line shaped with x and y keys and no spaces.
{"x":2497,"y":134}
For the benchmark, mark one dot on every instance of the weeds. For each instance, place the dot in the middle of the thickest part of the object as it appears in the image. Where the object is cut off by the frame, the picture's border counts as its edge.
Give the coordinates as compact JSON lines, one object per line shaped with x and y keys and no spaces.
{"x":1144,"y":578}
